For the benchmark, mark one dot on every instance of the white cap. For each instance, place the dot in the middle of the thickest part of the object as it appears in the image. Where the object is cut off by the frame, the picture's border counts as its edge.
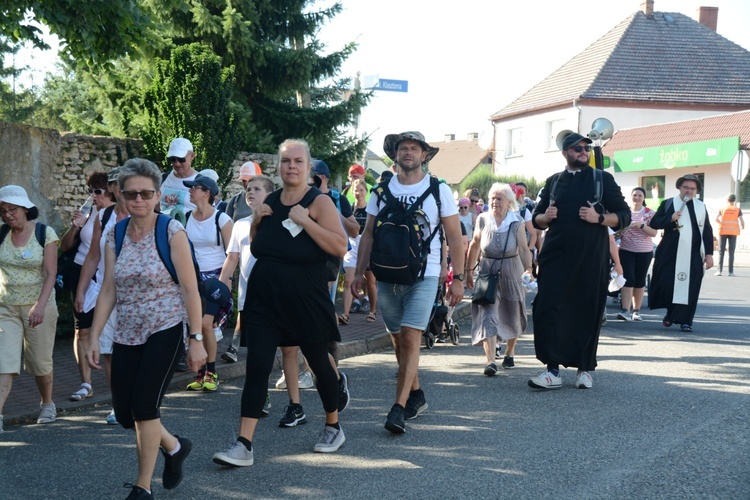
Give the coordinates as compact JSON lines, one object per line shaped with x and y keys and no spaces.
{"x":179,"y":147}
{"x":211,"y":174}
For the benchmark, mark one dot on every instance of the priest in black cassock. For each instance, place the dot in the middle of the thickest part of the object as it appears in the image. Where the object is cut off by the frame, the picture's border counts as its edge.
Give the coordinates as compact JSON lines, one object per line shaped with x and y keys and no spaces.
{"x":576,"y":207}
{"x":685,"y":249}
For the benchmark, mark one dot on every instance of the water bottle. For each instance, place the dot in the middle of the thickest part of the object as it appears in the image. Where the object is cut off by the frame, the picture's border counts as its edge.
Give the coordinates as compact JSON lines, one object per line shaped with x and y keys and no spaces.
{"x":87,"y":207}
{"x":526,"y":279}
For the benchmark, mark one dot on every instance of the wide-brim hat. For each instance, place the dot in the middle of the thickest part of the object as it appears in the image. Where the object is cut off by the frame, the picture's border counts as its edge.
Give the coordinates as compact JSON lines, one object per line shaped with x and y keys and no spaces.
{"x":15,"y":195}
{"x":689,"y":177}
{"x":391,"y":142}
{"x":205,"y":182}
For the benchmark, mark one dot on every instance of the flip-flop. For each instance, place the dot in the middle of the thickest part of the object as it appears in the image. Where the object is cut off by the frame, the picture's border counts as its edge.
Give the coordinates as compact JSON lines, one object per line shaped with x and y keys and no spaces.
{"x":343,"y":319}
{"x":371,"y":318}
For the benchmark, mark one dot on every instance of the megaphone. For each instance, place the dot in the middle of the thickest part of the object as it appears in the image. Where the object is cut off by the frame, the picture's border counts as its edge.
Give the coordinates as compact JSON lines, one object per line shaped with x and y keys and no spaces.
{"x":561,"y":138}
{"x":601,"y":129}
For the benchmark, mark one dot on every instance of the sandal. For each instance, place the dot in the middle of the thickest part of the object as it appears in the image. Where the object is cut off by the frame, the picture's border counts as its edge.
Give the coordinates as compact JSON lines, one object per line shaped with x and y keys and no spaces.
{"x":85,"y":391}
{"x":343,"y":319}
{"x":371,"y":317}
{"x":686,"y":328}
{"x":666,"y":322}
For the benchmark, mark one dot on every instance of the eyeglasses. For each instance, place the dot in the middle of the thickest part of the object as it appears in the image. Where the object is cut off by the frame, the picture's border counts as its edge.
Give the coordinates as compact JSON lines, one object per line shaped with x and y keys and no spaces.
{"x":580,"y":148}
{"x":97,"y":191}
{"x":198,"y":187}
{"x":8,"y":211}
{"x":473,"y":201}
{"x":173,"y":159}
{"x":145,"y":195}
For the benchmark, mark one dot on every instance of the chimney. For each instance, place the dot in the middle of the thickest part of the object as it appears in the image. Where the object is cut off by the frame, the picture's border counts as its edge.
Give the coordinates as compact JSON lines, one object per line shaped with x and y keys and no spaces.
{"x":472,"y":136}
{"x":647,"y":6}
{"x":708,"y":17}
{"x":450,"y":137}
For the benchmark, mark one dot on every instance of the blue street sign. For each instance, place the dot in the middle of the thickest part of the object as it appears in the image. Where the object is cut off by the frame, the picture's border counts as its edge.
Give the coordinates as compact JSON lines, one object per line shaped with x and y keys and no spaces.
{"x":393,"y":85}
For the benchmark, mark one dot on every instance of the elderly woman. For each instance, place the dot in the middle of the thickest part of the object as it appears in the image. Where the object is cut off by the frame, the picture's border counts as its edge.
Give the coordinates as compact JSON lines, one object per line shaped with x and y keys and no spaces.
{"x":28,"y":312}
{"x":210,"y":231}
{"x":500,"y":238}
{"x":152,"y":313}
{"x":92,"y":275}
{"x":287,"y":300}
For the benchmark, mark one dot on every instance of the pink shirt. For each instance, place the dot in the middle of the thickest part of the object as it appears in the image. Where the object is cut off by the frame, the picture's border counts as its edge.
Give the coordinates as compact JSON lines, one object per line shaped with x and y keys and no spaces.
{"x":635,"y":239}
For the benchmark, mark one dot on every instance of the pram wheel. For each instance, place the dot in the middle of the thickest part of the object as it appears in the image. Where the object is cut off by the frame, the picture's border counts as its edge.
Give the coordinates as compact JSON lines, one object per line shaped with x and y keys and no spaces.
{"x":429,"y":340}
{"x":454,"y":333}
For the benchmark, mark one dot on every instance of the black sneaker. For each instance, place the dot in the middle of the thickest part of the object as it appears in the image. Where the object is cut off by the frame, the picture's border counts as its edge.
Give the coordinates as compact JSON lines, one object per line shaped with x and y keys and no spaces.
{"x":231,"y":355}
{"x":395,"y":420}
{"x":343,"y":391}
{"x":182,"y":363}
{"x":293,"y":415}
{"x":415,"y":405}
{"x":508,"y":363}
{"x":490,"y":370}
{"x":172,"y":475}
{"x":138,"y":493}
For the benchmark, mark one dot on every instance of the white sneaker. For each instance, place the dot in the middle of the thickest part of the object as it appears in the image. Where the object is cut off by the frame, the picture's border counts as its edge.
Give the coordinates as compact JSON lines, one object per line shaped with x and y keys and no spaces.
{"x":329,"y":440}
{"x":636,"y":316}
{"x":717,"y":273}
{"x":306,"y":380}
{"x":584,"y":381}
{"x":48,"y":414}
{"x":281,"y":383}
{"x":237,"y":454}
{"x":546,"y":380}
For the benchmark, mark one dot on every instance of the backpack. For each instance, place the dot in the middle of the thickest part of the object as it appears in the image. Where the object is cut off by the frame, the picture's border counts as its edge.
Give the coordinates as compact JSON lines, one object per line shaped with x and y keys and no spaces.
{"x":161,"y":235}
{"x":216,"y":221}
{"x":598,"y":181}
{"x":66,"y":260}
{"x":40,"y":231}
{"x":399,"y":249}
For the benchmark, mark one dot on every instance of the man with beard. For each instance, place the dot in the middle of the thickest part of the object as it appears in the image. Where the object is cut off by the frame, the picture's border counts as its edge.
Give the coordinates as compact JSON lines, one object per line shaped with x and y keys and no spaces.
{"x":686,"y":247}
{"x":406,"y":308}
{"x":576,"y":206}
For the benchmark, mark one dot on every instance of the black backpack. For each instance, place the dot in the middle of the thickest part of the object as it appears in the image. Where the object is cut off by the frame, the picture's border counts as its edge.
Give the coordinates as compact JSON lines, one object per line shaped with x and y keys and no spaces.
{"x":399,"y":248}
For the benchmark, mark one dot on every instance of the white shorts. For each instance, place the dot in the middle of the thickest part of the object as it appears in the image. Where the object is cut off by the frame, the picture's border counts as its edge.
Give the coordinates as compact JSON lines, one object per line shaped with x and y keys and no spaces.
{"x":108,"y":334}
{"x":350,"y":258}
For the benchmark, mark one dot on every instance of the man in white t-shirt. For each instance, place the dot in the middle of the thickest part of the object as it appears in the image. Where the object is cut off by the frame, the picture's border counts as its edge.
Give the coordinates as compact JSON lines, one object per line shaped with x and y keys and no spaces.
{"x":406,"y":308}
{"x":175,"y":196}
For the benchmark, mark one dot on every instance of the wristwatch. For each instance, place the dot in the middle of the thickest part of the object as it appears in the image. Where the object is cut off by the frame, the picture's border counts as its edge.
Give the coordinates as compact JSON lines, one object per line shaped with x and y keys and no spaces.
{"x":196,"y":336}
{"x":459,"y":277}
{"x":601,"y":218}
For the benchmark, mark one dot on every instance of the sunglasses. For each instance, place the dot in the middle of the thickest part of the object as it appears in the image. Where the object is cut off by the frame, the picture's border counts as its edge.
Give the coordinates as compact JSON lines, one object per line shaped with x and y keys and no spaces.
{"x":473,"y":201}
{"x":579,"y":149}
{"x":145,"y":195}
{"x":463,"y":208}
{"x":97,"y":191}
{"x":173,"y":159}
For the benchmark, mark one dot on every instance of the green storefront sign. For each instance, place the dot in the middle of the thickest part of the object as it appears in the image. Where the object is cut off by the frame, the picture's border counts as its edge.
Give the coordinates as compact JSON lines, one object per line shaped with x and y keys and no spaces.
{"x":689,"y":154}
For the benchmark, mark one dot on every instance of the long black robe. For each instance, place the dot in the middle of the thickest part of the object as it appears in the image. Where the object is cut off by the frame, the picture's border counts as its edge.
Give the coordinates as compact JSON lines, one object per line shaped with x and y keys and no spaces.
{"x":662,"y":280}
{"x":574,"y":270}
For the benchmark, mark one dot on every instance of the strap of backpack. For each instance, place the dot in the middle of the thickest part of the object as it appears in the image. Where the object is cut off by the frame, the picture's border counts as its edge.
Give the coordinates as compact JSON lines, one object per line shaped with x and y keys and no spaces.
{"x":40,"y":231}
{"x":161,"y":235}
{"x":107,"y":214}
{"x":120,"y":229}
{"x":599,"y":185}
{"x":4,"y":230}
{"x":218,"y":229}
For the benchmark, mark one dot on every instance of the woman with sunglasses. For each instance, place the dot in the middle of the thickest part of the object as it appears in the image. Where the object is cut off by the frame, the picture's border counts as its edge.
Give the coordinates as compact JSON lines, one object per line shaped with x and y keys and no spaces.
{"x":81,"y":233}
{"x":151,"y":331}
{"x":28,"y":312}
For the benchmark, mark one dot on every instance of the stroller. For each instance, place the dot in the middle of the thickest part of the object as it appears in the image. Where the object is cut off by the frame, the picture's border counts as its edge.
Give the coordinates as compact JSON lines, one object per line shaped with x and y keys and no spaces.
{"x":441,"y":326}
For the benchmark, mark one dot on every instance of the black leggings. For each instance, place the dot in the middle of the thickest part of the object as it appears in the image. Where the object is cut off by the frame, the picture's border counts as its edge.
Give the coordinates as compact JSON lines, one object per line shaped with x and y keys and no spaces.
{"x":261,"y":351}
{"x":141,"y":375}
{"x":635,"y":267}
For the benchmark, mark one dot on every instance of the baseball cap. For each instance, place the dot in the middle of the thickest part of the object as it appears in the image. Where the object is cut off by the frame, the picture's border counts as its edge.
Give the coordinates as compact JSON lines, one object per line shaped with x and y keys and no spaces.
{"x":215,"y":294}
{"x":205,"y":182}
{"x":248,"y":170}
{"x":357,"y":169}
{"x":113,"y":175}
{"x":573,"y":139}
{"x":207,"y":172}
{"x":179,"y":147}
{"x":320,"y":168}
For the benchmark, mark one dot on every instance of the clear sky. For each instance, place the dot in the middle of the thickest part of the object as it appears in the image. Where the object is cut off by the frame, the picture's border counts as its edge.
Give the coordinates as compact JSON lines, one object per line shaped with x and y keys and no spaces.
{"x":466,"y":60}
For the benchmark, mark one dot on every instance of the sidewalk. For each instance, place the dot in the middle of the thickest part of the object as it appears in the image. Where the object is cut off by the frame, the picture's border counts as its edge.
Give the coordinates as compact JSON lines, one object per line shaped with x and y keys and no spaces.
{"x":357,"y":338}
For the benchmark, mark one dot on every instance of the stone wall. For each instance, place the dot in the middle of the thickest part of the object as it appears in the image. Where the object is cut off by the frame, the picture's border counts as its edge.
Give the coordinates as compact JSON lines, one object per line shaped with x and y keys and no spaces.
{"x":53,"y":166}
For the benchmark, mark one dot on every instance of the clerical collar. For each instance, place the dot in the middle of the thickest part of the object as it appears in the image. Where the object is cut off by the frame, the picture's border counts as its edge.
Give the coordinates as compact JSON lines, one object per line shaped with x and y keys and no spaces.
{"x":574,"y":172}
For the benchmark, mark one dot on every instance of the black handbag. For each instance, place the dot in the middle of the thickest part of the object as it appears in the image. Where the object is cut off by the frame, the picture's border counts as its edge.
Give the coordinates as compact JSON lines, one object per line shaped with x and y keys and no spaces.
{"x":485,"y":289}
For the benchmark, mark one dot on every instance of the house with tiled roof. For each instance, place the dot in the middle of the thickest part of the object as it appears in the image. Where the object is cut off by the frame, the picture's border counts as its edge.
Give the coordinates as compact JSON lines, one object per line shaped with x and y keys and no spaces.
{"x":652,"y":68}
{"x":458,"y":158}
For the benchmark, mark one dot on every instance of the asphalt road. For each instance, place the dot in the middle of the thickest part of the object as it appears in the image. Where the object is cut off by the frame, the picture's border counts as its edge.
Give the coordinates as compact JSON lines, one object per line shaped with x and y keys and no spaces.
{"x":667,"y":418}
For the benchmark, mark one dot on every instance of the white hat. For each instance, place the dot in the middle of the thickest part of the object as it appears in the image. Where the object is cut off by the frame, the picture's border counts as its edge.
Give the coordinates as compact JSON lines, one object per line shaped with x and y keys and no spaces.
{"x":211,"y":174}
{"x":15,"y":195}
{"x":179,"y":147}
{"x":248,"y":170}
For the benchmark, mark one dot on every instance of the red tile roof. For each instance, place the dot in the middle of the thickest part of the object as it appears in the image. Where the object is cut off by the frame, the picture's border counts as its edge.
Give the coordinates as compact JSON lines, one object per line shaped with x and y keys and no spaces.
{"x":456,"y":160}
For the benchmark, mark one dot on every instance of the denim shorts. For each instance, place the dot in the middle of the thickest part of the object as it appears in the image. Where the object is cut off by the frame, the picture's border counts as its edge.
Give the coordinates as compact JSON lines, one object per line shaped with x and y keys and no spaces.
{"x":407,"y":305}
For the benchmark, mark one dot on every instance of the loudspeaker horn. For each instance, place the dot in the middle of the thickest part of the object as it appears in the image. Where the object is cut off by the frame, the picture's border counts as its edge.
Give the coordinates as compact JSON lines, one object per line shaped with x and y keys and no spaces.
{"x":561,"y":138}
{"x":601,"y":129}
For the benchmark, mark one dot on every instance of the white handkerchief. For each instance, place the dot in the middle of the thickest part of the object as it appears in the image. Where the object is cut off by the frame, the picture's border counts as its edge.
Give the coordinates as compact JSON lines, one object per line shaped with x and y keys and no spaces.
{"x":292,"y":226}
{"x":616,"y":283}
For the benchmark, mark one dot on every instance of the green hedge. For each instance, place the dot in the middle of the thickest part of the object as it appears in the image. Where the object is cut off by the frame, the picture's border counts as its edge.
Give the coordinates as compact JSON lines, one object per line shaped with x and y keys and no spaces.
{"x":483,"y":179}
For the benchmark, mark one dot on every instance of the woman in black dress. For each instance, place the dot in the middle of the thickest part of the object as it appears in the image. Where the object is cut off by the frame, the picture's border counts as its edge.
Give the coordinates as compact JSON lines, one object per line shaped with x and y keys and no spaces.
{"x":287,"y":300}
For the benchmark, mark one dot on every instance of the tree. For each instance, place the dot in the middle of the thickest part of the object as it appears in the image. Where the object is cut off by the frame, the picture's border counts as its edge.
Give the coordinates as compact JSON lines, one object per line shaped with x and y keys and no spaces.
{"x":280,"y":73}
{"x":190,"y":96}
{"x":94,"y":31}
{"x":17,"y":103}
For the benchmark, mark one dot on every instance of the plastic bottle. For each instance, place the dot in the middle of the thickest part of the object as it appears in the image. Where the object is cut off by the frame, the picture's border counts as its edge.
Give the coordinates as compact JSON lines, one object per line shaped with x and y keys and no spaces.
{"x":87,"y":206}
